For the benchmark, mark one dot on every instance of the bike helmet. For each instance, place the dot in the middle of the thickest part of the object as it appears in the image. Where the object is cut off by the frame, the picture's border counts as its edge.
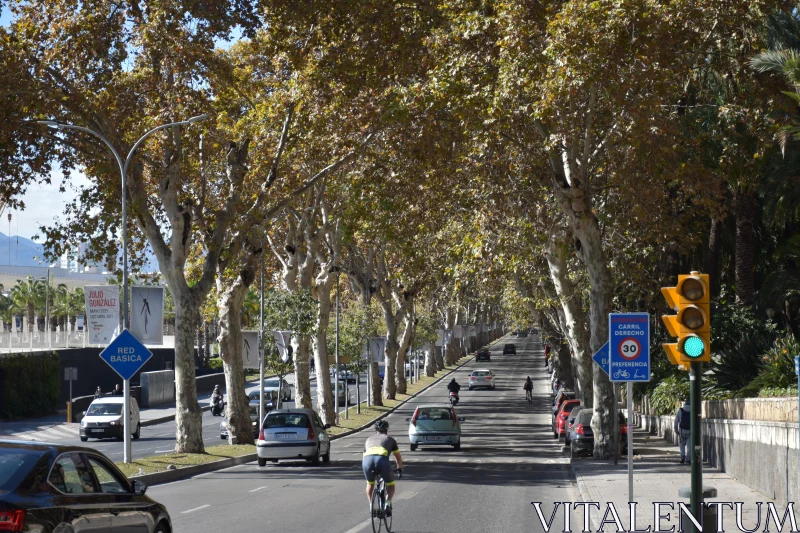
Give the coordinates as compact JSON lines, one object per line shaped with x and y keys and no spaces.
{"x":382,"y":426}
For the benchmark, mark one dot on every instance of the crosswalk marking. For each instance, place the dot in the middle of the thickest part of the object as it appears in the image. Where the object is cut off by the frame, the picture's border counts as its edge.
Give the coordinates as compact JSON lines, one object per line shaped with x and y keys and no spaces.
{"x":56,"y":432}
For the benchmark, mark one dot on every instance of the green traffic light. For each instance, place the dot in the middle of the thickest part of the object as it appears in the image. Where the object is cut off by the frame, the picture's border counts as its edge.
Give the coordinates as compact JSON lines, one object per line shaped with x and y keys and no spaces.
{"x":694,"y":347}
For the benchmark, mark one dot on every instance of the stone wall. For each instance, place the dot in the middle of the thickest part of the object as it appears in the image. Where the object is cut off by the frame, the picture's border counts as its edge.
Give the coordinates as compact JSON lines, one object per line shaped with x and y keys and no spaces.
{"x":157,"y":388}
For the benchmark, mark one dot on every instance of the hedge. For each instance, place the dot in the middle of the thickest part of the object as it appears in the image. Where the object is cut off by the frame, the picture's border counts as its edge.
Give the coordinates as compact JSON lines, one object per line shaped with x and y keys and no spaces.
{"x":29,"y":384}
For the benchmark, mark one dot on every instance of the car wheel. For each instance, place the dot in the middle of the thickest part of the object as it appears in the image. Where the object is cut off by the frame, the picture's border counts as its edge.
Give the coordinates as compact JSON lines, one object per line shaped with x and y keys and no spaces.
{"x":262,"y":462}
{"x":138,"y":431}
{"x":572,"y":452}
{"x":273,"y":460}
{"x":315,"y":460}
{"x":470,"y":388}
{"x":222,"y":437}
{"x":326,"y":458}
{"x":84,"y":439}
{"x":413,"y":447}
{"x":160,"y":528}
{"x":555,"y":434}
{"x":457,"y":446}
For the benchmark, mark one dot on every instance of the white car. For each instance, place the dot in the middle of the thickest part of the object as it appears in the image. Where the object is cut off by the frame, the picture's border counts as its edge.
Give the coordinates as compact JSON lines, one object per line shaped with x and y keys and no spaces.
{"x":103,"y":419}
{"x":434,"y":425}
{"x":273,"y":384}
{"x":293,"y":434}
{"x":482,"y":377}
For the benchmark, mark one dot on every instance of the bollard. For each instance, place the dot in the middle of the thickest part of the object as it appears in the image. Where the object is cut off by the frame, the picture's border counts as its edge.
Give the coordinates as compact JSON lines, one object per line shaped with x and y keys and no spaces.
{"x":69,"y":412}
{"x":709,"y":519}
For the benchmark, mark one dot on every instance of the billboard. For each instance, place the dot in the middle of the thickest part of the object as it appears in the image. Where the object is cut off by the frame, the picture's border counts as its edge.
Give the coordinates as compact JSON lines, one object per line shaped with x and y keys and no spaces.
{"x":102,"y":312}
{"x":147,"y":313}
{"x":250,"y":349}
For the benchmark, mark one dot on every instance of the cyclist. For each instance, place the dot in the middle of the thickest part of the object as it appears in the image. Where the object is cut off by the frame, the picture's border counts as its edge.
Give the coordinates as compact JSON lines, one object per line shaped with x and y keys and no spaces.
{"x":376,"y":459}
{"x":528,"y":387}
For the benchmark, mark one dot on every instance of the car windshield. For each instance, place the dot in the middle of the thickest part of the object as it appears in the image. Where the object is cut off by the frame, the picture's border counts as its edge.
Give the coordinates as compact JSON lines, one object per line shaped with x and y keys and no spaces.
{"x":434,"y":413}
{"x":286,"y":420}
{"x":104,"y":409}
{"x":15,"y":465}
{"x":271,"y":383}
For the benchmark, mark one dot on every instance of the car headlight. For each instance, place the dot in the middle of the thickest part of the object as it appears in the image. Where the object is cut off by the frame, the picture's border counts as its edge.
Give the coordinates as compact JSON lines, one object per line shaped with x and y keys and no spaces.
{"x":117,"y":422}
{"x":83,"y":423}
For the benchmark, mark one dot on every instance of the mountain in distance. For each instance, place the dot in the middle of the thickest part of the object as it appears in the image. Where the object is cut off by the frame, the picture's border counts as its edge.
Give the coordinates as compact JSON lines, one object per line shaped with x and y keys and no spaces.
{"x":25,"y":252}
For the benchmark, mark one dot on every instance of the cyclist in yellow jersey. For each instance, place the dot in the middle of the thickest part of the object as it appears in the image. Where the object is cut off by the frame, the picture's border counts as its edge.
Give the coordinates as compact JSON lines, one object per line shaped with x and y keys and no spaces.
{"x":377,"y":449}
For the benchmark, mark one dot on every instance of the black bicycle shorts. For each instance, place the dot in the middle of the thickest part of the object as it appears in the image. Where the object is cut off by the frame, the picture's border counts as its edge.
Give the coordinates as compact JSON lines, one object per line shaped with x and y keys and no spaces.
{"x":380,"y":464}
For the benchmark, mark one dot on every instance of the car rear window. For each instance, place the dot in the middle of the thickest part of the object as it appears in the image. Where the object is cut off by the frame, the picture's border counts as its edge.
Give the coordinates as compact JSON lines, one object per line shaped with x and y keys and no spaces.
{"x":104,"y":409}
{"x":569,"y":406}
{"x":434,"y":413}
{"x":286,"y":420}
{"x":481,"y":374}
{"x":271,"y":383}
{"x":585,"y":417}
{"x":509,"y":345}
{"x":15,"y":465}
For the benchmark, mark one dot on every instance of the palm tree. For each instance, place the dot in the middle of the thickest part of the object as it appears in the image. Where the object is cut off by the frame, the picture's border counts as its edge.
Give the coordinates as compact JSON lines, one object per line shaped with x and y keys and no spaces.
{"x":251,"y":307}
{"x":77,"y":306}
{"x":26,"y":296}
{"x":58,"y":297}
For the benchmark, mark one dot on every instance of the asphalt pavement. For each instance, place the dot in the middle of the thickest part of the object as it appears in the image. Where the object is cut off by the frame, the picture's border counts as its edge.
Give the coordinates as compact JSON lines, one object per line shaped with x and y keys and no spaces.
{"x":153,"y":440}
{"x":508,"y":459}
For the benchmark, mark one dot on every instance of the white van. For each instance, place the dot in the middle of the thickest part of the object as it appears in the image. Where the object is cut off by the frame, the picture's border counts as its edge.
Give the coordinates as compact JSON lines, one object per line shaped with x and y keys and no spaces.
{"x":103,"y":419}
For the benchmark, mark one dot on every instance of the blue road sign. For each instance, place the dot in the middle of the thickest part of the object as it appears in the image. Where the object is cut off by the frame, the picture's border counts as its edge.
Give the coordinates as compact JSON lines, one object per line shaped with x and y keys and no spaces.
{"x":797,"y":364}
{"x":601,"y":357}
{"x":629,"y":346}
{"x":126,"y":355}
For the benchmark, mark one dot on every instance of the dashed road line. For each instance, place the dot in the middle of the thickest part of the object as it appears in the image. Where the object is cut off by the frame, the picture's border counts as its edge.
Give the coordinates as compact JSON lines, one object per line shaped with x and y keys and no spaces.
{"x":187,"y":511}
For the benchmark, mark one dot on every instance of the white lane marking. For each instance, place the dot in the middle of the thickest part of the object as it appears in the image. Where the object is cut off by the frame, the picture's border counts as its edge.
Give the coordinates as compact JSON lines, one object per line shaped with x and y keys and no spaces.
{"x":187,"y":511}
{"x":258,"y":489}
{"x":168,"y":450}
{"x":360,"y":526}
{"x":405,"y":495}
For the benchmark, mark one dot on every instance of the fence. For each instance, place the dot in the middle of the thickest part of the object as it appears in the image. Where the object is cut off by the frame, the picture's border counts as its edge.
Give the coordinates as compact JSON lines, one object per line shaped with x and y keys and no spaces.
{"x":17,"y":342}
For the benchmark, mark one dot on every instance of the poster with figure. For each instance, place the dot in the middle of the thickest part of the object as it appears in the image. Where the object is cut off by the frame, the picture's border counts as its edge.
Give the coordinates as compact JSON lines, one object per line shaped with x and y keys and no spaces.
{"x":471,"y":331}
{"x":147,"y":313}
{"x":102,"y":312}
{"x":283,"y":340}
{"x":458,"y":331}
{"x":250,"y":349}
{"x":440,"y":340}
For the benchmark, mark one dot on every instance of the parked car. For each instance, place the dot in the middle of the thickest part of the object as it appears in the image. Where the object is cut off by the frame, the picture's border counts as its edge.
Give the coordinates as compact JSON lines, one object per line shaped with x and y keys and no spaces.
{"x":571,"y":421}
{"x":483,"y":355}
{"x":103,"y":419}
{"x":482,"y":377}
{"x":273,"y":384}
{"x":522,"y":334}
{"x":560,"y":422}
{"x":52,"y":488}
{"x":434,"y":425}
{"x":381,"y":371}
{"x":269,"y":406}
{"x":509,"y":349}
{"x":343,"y":393}
{"x":293,"y":434}
{"x":582,"y":437}
{"x":344,"y":375}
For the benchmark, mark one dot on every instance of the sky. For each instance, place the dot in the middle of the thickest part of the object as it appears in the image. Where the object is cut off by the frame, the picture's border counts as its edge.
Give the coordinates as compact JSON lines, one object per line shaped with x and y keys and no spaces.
{"x":43,"y":204}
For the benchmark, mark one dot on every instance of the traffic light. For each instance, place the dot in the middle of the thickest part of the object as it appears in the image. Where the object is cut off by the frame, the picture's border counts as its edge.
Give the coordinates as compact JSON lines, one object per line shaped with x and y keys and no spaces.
{"x":692,"y":324}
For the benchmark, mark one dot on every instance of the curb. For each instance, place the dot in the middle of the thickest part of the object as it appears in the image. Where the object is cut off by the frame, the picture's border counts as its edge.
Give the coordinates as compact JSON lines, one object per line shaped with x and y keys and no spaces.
{"x":169,"y":476}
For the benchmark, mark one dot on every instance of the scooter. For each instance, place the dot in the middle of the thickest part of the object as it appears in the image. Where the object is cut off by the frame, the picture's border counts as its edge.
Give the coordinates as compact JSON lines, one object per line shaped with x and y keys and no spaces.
{"x":217,"y":407}
{"x":453,"y":398}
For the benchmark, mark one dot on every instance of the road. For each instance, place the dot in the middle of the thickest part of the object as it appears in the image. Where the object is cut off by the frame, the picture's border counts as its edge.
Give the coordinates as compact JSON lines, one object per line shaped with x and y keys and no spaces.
{"x":154,"y":440}
{"x":508,"y":459}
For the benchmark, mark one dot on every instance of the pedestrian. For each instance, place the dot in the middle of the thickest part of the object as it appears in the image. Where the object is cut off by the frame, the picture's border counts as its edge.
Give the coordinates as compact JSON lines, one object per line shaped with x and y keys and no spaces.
{"x":98,"y":393}
{"x":546,"y":354}
{"x":682,"y":427}
{"x":118,"y":390}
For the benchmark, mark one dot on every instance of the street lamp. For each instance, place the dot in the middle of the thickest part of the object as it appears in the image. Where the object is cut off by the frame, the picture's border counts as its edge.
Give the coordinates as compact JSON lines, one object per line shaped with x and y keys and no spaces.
{"x":123,"y":168}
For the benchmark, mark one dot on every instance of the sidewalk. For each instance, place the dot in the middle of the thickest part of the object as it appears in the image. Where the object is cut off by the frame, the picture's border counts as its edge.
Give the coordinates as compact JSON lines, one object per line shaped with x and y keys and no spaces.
{"x":657,"y":476}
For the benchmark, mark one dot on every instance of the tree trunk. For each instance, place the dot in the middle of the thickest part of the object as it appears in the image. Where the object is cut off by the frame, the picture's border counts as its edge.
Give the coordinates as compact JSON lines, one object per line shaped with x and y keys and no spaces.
{"x":237,"y":407}
{"x":375,"y":385}
{"x":390,"y":355}
{"x":31,"y":318}
{"x":405,"y":343}
{"x":325,"y":400}
{"x":302,"y":382}
{"x":188,"y":416}
{"x":572,"y":309}
{"x":714,"y":251}
{"x":745,"y":213}
{"x":430,"y":361}
{"x":438,"y":358}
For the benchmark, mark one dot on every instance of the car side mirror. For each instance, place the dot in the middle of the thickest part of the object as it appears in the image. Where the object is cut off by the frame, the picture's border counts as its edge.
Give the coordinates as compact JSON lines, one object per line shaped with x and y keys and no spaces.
{"x":461,"y":419}
{"x":139,"y":487}
{"x":327,"y":426}
{"x":408,"y":419}
{"x":84,"y":413}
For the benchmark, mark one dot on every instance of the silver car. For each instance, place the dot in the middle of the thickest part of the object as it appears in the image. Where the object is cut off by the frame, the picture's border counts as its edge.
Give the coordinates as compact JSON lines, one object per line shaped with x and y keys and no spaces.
{"x":293,"y":434}
{"x":482,"y":377}
{"x":434,"y":425}
{"x":273,"y":384}
{"x":223,"y":426}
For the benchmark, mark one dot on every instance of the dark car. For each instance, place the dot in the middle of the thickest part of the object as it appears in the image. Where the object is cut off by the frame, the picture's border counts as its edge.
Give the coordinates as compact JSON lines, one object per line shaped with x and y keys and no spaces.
{"x":50,"y":487}
{"x":522,"y":334}
{"x":483,"y":355}
{"x":581,"y":436}
{"x":571,"y":422}
{"x":509,"y":349}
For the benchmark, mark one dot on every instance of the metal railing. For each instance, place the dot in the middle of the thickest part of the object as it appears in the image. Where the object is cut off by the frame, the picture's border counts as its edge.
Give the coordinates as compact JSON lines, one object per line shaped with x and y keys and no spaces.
{"x":37,"y":341}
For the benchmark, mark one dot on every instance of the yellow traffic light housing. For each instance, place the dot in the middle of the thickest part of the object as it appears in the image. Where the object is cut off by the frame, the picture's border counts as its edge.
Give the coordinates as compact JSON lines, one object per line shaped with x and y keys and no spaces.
{"x":692,"y":325}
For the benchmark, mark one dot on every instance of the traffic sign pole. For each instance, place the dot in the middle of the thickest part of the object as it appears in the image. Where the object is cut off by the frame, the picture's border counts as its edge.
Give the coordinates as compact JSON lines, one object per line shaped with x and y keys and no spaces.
{"x":126,"y":428}
{"x":695,"y":452}
{"x":797,"y":371}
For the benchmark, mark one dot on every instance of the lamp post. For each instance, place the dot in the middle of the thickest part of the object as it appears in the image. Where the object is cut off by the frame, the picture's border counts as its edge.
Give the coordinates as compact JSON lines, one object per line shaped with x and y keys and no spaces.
{"x":123,"y":169}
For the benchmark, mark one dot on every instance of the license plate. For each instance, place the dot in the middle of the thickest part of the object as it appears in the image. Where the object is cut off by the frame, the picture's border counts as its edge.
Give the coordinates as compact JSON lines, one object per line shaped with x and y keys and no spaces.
{"x":286,"y":436}
{"x":98,"y":430}
{"x":433,"y":438}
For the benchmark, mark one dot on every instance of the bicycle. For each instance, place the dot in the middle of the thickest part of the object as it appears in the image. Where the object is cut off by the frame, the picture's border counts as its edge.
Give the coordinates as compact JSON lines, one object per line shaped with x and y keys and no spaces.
{"x":529,"y":397}
{"x":378,"y":503}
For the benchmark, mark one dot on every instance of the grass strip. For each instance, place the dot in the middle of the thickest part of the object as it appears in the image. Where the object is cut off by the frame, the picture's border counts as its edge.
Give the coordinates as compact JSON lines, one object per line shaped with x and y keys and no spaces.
{"x":159,"y":463}
{"x":368,"y":414}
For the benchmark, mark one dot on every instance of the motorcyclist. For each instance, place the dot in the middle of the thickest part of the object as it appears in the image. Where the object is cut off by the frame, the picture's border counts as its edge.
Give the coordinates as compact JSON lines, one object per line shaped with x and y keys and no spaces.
{"x":216,"y":396}
{"x":454,"y":387}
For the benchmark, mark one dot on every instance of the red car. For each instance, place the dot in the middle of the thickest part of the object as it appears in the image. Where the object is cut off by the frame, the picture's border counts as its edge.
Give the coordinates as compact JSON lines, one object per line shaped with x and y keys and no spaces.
{"x":560,"y":423}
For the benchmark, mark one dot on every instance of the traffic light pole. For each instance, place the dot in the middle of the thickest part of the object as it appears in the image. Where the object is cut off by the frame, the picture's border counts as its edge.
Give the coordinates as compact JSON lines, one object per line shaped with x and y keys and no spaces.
{"x":696,"y":452}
